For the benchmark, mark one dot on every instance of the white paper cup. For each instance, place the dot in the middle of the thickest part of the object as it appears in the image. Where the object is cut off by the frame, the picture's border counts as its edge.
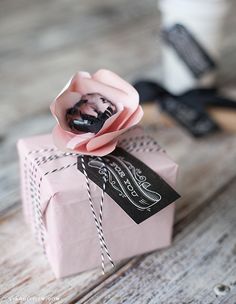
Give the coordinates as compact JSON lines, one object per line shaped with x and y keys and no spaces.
{"x":204,"y":19}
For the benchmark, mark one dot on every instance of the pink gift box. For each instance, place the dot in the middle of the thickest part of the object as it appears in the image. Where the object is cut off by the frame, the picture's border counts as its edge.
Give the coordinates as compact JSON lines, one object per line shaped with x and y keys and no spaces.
{"x":56,"y":206}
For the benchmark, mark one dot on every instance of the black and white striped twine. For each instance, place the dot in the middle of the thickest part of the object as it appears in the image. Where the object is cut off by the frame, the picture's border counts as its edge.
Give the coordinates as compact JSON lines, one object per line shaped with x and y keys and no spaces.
{"x":98,"y":222}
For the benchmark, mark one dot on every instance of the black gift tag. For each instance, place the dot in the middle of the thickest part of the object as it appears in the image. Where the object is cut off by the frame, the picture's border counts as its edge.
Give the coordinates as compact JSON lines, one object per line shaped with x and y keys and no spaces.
{"x":189,"y":49}
{"x":136,"y":188}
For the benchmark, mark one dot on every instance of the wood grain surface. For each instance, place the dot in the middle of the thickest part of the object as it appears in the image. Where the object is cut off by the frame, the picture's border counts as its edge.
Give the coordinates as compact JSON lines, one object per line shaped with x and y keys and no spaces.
{"x":42,"y":44}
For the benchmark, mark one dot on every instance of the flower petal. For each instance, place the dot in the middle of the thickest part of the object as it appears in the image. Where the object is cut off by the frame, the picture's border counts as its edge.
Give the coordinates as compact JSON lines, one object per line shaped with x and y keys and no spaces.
{"x":111,"y":120}
{"x":134,"y":119}
{"x":105,"y":138}
{"x":88,"y":86}
{"x":61,"y":138}
{"x":111,"y":79}
{"x":65,"y":97}
{"x":102,"y":140}
{"x":79,"y":139}
{"x":65,"y":101}
{"x":126,"y":121}
{"x":101,"y":151}
{"x":131,"y":101}
{"x":77,"y":78}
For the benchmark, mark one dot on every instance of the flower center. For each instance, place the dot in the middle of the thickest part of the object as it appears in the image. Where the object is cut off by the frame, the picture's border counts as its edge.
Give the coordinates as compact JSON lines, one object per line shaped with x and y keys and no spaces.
{"x":90,"y":113}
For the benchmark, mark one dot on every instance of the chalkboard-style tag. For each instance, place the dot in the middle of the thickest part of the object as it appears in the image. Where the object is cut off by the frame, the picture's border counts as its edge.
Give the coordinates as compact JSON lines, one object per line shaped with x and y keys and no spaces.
{"x":189,"y":50}
{"x":136,"y":188}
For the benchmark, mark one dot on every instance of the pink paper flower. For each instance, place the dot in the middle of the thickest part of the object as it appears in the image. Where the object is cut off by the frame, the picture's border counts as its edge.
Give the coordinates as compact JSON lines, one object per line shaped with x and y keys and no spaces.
{"x":125,"y":112}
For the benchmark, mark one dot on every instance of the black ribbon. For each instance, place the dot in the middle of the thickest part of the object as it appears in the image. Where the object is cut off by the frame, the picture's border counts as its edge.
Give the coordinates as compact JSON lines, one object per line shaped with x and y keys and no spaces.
{"x":188,"y":109}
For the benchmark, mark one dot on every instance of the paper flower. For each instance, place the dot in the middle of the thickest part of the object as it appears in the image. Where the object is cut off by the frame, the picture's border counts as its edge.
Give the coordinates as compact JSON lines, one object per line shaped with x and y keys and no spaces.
{"x":92,"y":111}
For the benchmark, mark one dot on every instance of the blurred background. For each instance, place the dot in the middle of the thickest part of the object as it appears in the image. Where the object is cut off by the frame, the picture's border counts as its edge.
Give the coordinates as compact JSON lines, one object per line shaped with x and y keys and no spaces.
{"x":43,"y":43}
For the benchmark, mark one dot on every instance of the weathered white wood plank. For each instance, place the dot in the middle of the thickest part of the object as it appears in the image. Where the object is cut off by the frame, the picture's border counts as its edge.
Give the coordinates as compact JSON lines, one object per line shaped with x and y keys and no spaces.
{"x":202,"y":256}
{"x":25,"y":271}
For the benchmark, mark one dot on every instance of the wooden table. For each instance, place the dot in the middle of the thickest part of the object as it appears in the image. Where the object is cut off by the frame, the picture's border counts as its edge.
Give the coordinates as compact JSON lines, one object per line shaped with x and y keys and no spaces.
{"x":42,"y":44}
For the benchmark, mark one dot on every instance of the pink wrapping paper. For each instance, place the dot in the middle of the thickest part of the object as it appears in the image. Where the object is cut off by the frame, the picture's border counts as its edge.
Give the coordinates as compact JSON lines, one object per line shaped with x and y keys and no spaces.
{"x":52,"y":184}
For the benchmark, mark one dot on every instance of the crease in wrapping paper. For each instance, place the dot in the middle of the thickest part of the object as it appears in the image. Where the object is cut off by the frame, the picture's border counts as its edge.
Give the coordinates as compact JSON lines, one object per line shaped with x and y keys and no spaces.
{"x":61,"y":208}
